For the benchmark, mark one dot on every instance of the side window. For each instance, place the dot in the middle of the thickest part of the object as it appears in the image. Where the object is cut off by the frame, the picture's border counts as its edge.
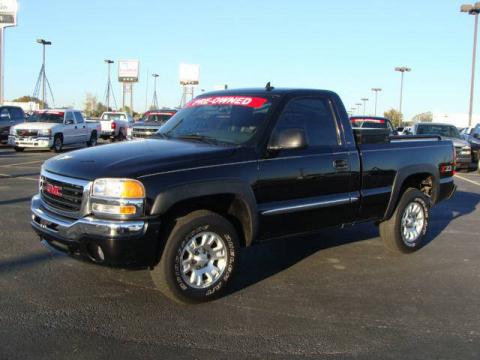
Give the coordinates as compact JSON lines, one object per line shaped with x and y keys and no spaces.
{"x":17,"y":113}
{"x":69,"y":117}
{"x":315,"y":117}
{"x":79,"y":117}
{"x":4,"y":114}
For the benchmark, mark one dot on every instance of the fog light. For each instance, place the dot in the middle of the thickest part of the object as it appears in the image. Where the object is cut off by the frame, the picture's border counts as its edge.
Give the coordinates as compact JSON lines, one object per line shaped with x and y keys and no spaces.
{"x":114,"y":209}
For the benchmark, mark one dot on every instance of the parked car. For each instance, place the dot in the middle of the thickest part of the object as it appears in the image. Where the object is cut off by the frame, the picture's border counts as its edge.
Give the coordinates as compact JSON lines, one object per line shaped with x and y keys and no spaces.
{"x":447,"y":131}
{"x":472,"y":135}
{"x":373,"y":122}
{"x":115,"y":125}
{"x":151,"y":122}
{"x":230,"y":169}
{"x":9,"y":116}
{"x":53,"y":129}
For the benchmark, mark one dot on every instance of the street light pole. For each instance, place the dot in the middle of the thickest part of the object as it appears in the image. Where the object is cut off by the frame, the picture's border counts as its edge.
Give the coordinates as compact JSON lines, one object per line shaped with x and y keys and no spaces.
{"x":358,"y":107}
{"x":155,"y":99}
{"x":376,"y":90}
{"x":472,"y":10}
{"x":109,"y":83}
{"x":403,"y":70}
{"x":364,"y":105}
{"x":44,"y":43}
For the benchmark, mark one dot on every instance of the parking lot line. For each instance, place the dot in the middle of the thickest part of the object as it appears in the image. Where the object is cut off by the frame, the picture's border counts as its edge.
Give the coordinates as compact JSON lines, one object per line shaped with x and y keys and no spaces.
{"x":8,"y":176}
{"x":24,"y":163}
{"x":468,"y":180}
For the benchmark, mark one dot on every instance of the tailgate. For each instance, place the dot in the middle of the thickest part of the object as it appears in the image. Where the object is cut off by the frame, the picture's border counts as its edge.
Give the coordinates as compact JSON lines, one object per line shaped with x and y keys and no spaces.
{"x":106,"y":125}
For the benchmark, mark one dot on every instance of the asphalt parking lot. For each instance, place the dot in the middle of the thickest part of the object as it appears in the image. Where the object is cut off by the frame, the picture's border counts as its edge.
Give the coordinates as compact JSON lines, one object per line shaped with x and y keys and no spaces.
{"x":332,"y":295}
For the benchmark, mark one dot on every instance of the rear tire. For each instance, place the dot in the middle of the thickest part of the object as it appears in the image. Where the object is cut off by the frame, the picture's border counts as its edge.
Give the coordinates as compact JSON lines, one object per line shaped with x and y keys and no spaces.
{"x":93,"y":139}
{"x":57,"y":143}
{"x":19,"y":149}
{"x":404,"y":232}
{"x":199,"y":259}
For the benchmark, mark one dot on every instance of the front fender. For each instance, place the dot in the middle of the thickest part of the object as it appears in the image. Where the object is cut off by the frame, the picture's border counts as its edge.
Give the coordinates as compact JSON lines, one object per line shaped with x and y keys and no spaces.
{"x":242,"y":192}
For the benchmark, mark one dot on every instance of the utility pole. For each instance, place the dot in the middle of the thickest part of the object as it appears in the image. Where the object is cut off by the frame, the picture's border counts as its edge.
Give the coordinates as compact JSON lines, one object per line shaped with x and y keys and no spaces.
{"x":376,"y":90}
{"x":364,"y":105}
{"x":472,"y":10}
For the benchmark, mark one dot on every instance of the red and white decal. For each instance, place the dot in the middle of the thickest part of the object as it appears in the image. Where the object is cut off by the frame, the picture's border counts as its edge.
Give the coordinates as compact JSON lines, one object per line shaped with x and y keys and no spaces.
{"x":375,"y":121}
{"x":249,"y":101}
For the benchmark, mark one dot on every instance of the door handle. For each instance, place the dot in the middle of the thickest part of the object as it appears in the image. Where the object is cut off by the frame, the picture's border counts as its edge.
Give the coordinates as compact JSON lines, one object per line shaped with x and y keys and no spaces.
{"x":340,"y":164}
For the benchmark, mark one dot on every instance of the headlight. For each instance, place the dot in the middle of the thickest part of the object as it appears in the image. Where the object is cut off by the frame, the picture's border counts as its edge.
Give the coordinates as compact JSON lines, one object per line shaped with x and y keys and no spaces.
{"x":13,"y":130}
{"x":118,"y":197}
{"x":45,"y":132}
{"x":466,"y":150}
{"x":118,"y":189}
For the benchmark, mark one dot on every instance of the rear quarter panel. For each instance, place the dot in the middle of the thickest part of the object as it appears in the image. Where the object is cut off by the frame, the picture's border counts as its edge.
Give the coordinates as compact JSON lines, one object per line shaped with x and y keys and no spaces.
{"x":386,"y":166}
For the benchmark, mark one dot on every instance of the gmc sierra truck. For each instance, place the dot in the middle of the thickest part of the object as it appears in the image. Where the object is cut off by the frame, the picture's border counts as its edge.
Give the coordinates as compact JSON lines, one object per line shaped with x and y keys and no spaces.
{"x":53,"y":129}
{"x":230,"y":169}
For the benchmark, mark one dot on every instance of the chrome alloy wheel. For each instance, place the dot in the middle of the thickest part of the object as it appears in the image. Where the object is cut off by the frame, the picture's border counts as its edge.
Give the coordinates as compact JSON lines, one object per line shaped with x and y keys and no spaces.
{"x":203,"y":260}
{"x":413,"y":221}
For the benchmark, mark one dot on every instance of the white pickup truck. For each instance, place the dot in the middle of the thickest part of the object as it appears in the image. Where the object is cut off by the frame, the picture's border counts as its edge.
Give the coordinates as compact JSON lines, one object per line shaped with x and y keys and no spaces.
{"x":54,"y":129}
{"x":115,"y":125}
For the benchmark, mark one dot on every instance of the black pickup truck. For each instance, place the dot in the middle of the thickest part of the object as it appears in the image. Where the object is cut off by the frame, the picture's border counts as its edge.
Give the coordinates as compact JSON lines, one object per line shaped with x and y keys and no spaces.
{"x":230,"y":169}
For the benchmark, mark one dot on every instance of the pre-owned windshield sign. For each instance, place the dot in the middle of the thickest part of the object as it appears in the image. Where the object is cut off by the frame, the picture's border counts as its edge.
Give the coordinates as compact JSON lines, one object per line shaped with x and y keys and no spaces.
{"x":254,"y":102}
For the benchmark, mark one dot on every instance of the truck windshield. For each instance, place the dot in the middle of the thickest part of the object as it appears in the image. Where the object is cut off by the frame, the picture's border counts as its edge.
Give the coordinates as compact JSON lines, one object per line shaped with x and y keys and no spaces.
{"x":46,"y":117}
{"x":441,"y":130}
{"x":159,"y":117}
{"x":227,"y":119}
{"x":113,"y":116}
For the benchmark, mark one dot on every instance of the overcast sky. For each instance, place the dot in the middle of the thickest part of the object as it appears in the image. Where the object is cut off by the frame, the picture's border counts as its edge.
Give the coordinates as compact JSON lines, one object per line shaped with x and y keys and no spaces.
{"x":345,"y":46}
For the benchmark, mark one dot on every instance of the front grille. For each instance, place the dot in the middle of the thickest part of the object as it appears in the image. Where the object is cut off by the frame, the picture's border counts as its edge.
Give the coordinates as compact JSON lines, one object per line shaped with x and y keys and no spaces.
{"x":69,"y":197}
{"x":143,"y":133}
{"x":27,"y":133}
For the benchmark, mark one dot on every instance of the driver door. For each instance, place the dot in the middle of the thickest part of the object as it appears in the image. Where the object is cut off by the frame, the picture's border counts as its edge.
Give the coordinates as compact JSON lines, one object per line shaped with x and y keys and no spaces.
{"x":304,"y":189}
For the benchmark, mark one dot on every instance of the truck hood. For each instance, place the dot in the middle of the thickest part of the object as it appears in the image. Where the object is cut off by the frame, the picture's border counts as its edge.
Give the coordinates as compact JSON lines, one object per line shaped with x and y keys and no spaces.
{"x":459,"y":142}
{"x":136,"y":158}
{"x":35,"y":126}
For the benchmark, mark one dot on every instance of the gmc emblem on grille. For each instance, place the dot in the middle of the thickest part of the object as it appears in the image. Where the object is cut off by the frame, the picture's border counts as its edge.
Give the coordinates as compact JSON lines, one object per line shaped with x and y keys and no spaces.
{"x":53,"y":189}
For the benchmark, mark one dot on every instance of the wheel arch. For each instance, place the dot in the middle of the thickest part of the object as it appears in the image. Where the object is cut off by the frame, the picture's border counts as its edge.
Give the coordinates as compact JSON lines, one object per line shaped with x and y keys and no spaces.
{"x":413,"y":176}
{"x":232,"y":199}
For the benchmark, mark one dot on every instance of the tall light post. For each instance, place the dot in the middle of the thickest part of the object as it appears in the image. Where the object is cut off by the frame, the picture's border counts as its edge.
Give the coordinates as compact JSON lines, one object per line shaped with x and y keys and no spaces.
{"x":402,"y":70}
{"x":109,"y":82}
{"x":44,"y":43}
{"x":353,"y":110}
{"x":8,"y":18}
{"x":376,"y":91}
{"x":472,"y":10}
{"x":155,"y":99}
{"x":358,"y":107}
{"x":364,"y":105}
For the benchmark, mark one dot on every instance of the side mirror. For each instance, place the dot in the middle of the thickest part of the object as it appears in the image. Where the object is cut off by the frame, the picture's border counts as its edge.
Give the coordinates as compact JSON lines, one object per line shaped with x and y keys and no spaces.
{"x":288,"y":139}
{"x":68,"y":122}
{"x":476,"y":136}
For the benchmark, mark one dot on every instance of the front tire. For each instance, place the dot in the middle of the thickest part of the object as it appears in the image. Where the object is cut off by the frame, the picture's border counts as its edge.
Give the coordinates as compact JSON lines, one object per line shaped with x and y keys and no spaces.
{"x":199,"y":258}
{"x":57,"y":143}
{"x":404,"y":232}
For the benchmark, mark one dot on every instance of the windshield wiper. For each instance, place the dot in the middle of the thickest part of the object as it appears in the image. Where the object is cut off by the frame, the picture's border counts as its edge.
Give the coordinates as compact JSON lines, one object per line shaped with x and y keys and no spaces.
{"x":198,"y":137}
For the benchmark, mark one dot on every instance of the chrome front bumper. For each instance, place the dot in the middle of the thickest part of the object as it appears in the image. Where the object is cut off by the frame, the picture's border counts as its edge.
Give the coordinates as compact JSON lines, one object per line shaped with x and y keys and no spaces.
{"x":67,"y":229}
